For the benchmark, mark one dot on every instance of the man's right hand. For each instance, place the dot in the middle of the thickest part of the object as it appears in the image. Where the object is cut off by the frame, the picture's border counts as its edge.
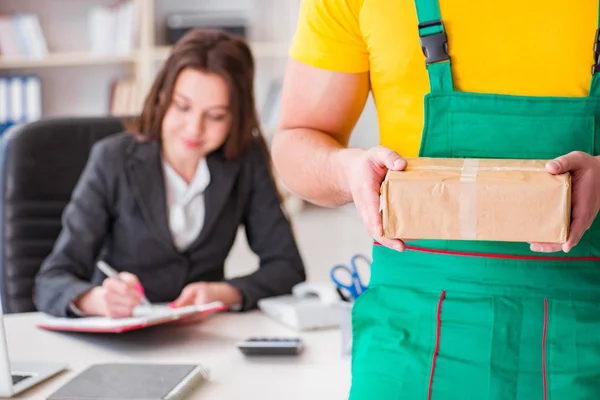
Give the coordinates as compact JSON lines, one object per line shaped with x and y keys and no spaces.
{"x":115,"y":298}
{"x":310,"y":149}
{"x":365,"y":171}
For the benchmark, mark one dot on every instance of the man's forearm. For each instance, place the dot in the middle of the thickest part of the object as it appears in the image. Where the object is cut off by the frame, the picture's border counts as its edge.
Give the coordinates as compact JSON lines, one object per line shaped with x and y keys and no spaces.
{"x":313,"y":165}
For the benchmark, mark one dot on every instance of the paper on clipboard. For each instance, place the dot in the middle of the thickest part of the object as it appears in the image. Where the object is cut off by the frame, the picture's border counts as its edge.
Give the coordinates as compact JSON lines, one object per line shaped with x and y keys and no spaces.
{"x":159,"y":315}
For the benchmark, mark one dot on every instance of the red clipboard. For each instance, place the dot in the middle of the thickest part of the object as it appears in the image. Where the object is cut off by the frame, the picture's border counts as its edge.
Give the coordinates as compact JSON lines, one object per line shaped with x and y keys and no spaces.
{"x":120,"y":325}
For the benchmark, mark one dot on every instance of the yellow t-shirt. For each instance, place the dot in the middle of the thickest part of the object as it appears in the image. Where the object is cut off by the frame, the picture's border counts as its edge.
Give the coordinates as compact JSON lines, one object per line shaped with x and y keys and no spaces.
{"x":521,"y":47}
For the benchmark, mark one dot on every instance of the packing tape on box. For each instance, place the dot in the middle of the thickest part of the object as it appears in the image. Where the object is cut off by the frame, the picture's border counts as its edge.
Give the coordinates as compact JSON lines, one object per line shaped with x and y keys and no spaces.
{"x":444,"y":168}
{"x":468,"y":199}
{"x":468,"y":191}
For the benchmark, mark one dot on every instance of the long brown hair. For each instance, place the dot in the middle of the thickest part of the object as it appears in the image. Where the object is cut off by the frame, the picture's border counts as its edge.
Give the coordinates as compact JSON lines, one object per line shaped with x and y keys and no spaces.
{"x":209,"y":51}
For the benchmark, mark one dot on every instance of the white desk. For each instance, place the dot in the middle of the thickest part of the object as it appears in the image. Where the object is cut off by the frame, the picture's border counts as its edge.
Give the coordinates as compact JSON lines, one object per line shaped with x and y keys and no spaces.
{"x":320,"y":372}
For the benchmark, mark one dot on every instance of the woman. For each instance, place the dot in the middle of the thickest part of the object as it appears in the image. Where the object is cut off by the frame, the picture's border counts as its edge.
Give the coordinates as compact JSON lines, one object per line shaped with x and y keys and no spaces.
{"x":164,"y":204}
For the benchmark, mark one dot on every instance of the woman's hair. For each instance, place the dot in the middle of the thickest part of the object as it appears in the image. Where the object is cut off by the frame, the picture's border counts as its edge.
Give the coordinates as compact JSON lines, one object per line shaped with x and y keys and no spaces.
{"x":208,"y":51}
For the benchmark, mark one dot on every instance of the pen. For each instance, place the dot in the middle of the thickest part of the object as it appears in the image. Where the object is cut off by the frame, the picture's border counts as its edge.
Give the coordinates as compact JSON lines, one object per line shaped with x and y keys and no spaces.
{"x":111,"y":273}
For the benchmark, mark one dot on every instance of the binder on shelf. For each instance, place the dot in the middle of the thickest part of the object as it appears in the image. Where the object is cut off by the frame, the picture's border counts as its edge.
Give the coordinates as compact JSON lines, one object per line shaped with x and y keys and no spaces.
{"x":126,"y":97}
{"x":113,"y":29}
{"x":21,"y":36}
{"x":20,"y":100}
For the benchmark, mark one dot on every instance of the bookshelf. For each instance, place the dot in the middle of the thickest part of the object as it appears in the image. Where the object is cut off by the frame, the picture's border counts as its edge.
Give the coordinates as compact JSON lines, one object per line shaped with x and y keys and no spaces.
{"x":69,"y":60}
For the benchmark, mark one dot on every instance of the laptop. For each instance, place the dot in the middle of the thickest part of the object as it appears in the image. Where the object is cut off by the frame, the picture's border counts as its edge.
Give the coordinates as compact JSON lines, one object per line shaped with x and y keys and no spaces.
{"x":17,"y":377}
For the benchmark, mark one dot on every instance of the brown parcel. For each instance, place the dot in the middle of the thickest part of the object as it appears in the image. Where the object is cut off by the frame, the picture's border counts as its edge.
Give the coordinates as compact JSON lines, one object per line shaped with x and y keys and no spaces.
{"x":476,"y":199}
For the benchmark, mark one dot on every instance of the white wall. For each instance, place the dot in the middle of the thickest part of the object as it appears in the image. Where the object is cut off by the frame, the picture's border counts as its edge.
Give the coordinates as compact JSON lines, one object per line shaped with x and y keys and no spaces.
{"x":366,"y":132}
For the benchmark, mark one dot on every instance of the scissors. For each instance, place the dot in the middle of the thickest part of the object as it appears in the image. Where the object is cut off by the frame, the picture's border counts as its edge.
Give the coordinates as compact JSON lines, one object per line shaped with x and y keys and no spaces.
{"x":356,"y":285}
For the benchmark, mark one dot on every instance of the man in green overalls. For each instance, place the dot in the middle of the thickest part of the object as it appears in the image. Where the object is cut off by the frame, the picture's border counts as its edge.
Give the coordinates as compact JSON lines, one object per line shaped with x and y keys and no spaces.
{"x":501,"y":79}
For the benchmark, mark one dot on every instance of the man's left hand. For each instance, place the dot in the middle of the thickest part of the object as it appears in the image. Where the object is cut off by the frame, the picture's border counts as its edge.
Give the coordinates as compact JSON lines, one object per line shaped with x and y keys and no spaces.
{"x":585,"y":196}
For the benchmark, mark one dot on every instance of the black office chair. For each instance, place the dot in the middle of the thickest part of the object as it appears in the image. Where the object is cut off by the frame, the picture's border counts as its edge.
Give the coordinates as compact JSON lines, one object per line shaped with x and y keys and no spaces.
{"x":40,"y":164}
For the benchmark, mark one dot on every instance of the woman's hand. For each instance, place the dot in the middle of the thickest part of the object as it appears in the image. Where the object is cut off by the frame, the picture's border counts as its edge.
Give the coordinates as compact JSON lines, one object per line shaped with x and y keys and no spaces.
{"x":115,"y":298}
{"x":207,"y":292}
{"x":585,"y":196}
{"x":365,"y":173}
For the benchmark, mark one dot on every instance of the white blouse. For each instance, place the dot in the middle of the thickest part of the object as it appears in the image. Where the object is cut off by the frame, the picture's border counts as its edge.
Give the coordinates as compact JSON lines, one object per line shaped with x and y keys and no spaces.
{"x":185,"y":203}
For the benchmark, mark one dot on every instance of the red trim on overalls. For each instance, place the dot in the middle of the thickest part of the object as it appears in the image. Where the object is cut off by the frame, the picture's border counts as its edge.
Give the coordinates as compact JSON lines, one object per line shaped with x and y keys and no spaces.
{"x":492,"y":255}
{"x":437,"y":342}
{"x":544,"y":346}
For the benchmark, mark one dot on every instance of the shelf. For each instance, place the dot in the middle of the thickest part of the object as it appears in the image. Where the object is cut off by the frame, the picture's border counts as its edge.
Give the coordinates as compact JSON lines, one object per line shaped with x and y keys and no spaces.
{"x":65,"y":60}
{"x":259,"y":50}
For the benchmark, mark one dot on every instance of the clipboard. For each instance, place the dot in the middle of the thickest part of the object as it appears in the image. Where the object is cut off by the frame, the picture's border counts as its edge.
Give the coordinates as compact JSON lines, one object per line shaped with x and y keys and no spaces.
{"x":158,"y":315}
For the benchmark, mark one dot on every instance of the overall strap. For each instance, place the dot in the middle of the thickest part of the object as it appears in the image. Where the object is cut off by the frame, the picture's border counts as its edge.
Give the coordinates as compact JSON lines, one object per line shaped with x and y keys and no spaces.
{"x":434,"y":43}
{"x":595,"y":85}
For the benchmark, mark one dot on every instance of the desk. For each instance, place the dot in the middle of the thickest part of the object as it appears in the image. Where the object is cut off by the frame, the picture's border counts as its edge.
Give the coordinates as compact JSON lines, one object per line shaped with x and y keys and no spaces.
{"x":320,"y":372}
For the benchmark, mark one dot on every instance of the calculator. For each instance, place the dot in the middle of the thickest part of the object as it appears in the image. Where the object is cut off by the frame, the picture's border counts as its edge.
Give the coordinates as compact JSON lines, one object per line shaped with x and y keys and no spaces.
{"x":271,"y":346}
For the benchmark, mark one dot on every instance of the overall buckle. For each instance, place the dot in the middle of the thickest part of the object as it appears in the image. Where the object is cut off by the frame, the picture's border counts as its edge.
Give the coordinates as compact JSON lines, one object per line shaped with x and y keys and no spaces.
{"x":435,"y":46}
{"x":596,"y":66}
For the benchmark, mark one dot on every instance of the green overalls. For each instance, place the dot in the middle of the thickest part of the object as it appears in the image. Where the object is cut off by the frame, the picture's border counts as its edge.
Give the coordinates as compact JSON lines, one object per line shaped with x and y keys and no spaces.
{"x":462,"y":320}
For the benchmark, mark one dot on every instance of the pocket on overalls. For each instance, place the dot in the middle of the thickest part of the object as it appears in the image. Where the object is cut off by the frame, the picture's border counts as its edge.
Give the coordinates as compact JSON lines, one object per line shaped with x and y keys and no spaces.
{"x":573,"y":350}
{"x":502,"y":136}
{"x":393,"y":342}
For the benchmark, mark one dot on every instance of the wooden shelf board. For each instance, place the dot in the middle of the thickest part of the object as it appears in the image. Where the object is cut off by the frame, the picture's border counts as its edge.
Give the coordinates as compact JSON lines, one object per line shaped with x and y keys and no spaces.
{"x":65,"y":59}
{"x":259,"y":49}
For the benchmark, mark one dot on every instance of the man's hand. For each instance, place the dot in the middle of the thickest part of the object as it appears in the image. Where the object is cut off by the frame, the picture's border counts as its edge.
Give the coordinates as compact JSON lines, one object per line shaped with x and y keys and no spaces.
{"x":319,"y":110}
{"x":585,"y":196}
{"x":364,"y":174}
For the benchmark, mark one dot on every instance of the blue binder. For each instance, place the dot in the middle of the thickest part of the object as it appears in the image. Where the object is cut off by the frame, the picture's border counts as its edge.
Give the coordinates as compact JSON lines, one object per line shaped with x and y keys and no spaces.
{"x":20,"y":100}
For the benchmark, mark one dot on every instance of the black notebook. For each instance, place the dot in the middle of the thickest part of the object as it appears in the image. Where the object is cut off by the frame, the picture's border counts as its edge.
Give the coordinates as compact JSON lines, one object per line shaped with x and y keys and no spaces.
{"x":133,"y":382}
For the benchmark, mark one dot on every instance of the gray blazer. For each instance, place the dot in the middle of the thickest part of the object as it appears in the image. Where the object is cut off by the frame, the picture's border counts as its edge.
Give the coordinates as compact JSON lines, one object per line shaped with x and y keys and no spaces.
{"x":118,"y":213}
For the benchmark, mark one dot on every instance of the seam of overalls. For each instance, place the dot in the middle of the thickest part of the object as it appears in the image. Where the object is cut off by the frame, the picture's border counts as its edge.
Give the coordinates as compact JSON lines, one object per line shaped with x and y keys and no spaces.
{"x":492,"y":255}
{"x":544,"y":372}
{"x":437,"y":342}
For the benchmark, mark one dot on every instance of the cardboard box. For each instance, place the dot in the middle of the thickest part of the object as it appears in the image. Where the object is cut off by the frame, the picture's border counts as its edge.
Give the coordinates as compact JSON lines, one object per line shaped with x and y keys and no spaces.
{"x":476,"y":199}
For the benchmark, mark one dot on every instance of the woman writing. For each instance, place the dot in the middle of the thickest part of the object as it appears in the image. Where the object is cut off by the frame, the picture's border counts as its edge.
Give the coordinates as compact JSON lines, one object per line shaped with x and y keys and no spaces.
{"x":164,"y":201}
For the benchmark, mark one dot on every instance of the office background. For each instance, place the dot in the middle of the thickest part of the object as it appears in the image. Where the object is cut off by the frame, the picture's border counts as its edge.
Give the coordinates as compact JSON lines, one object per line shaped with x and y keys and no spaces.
{"x":63,"y":59}
{"x":97,"y":57}
{"x":94,"y":58}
